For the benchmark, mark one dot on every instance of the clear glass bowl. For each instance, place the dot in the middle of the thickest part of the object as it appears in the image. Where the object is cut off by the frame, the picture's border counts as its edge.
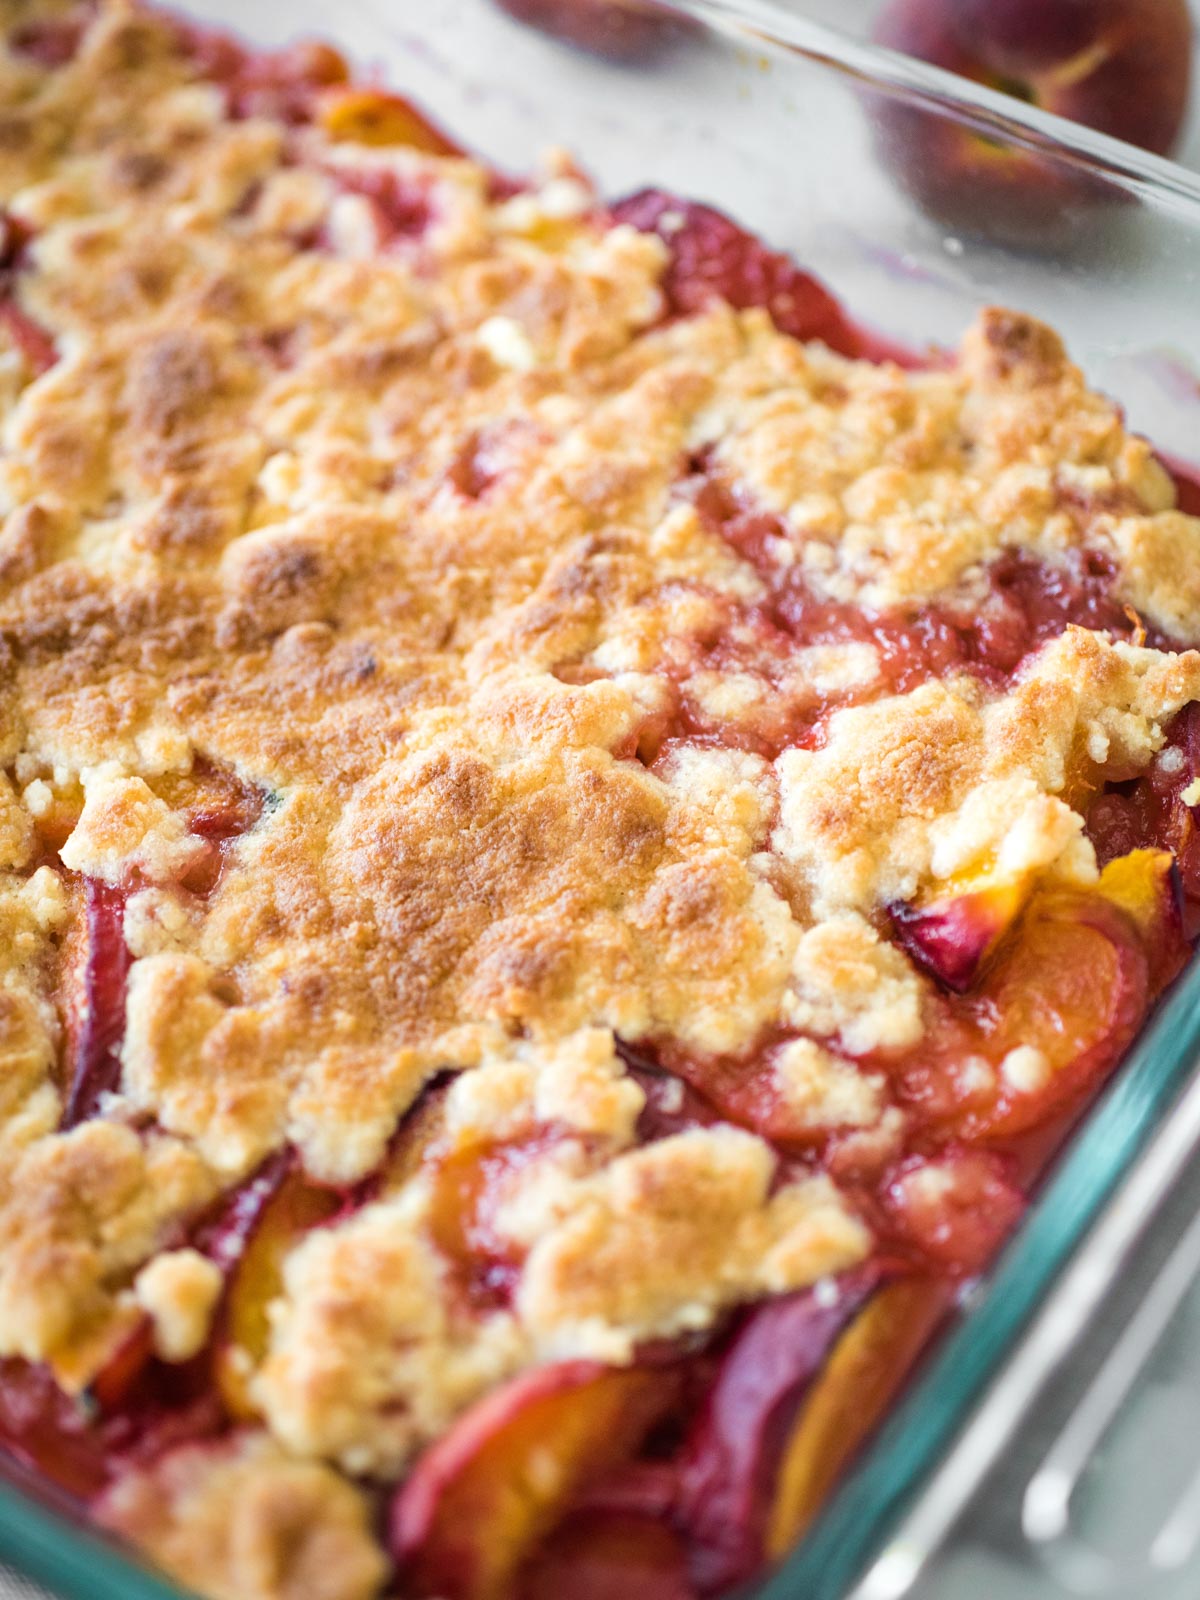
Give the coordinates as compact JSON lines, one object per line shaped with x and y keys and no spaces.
{"x":797,"y":132}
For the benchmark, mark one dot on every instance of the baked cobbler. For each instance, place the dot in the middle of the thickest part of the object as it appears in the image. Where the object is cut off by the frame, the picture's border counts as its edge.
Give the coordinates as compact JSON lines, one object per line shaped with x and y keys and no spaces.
{"x":574,"y":835}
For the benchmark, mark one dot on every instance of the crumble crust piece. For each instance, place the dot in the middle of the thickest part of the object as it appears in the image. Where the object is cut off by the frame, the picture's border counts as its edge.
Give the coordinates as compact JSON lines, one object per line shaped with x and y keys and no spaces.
{"x":383,"y":525}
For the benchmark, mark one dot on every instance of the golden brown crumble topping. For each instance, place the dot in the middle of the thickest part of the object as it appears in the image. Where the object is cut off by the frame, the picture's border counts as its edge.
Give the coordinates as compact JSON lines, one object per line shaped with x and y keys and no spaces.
{"x":387,"y":532}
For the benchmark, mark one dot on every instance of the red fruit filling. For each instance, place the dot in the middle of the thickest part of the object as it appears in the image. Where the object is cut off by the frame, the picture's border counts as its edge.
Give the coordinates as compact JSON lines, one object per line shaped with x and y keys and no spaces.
{"x":1028,"y":603}
{"x":605,"y":1555}
{"x":1151,"y":810}
{"x":49,"y":1433}
{"x":711,"y":258}
{"x":137,"y":1406}
{"x":284,"y":85}
{"x":227,"y":810}
{"x":1187,"y":486}
{"x":30,"y":338}
{"x":402,"y":208}
{"x":955,"y":1210}
{"x":50,"y":41}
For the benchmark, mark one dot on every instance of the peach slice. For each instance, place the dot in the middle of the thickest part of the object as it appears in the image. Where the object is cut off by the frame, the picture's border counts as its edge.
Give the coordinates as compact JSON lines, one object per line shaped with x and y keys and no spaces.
{"x":376,"y":117}
{"x":1050,"y":1020}
{"x":1146,"y":884}
{"x":296,"y":1207}
{"x":867,"y":1367}
{"x":483,"y":1497}
{"x":732,"y":1454}
{"x":954,"y":937}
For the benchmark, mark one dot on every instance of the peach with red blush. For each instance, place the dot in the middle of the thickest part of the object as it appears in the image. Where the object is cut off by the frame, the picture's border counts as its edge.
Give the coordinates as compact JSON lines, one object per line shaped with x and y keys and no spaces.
{"x":1119,"y":66}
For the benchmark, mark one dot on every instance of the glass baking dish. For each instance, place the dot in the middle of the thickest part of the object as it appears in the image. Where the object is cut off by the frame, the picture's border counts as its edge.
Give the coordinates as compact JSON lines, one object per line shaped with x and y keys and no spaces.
{"x":794,"y":130}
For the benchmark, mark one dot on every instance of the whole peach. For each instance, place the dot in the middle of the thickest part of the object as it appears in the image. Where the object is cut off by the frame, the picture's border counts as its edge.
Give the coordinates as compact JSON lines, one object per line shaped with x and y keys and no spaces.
{"x":1120,"y":66}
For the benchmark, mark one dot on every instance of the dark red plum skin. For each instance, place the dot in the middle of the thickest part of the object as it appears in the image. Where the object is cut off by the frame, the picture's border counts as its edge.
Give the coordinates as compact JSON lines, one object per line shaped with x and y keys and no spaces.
{"x":97,"y":1068}
{"x":734,"y":1448}
{"x":712,"y":258}
{"x":947,"y":941}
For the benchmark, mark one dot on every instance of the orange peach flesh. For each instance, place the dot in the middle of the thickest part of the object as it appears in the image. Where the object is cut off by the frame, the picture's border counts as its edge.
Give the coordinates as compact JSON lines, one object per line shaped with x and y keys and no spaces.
{"x":481,"y":1500}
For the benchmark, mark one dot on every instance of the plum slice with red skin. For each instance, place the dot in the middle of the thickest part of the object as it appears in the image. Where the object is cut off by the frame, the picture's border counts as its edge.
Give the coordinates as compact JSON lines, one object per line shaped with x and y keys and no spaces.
{"x":136,"y":1403}
{"x":952,"y":938}
{"x":48,"y":1432}
{"x":865,"y":1370}
{"x":729,"y":1461}
{"x":225,"y":809}
{"x":250,"y":1234}
{"x":251,"y":1248}
{"x":223,"y":1233}
{"x":97,"y":1067}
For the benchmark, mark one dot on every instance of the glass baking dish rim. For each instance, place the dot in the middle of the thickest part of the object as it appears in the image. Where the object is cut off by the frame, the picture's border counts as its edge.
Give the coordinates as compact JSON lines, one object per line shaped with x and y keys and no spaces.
{"x":80,"y":1563}
{"x":769,"y":25}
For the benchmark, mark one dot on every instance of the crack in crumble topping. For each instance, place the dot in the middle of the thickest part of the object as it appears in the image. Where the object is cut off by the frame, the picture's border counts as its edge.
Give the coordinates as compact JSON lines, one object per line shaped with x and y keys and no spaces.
{"x":385,"y":510}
